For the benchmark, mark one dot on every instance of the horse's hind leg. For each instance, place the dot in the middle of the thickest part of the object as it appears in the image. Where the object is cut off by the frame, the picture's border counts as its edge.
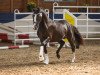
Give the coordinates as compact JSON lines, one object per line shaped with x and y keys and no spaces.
{"x":61,"y":45}
{"x":71,"y":41}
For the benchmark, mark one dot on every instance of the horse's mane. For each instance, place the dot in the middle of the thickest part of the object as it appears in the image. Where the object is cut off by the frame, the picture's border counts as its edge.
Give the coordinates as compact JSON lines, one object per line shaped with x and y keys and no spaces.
{"x":46,"y":19}
{"x":44,"y":16}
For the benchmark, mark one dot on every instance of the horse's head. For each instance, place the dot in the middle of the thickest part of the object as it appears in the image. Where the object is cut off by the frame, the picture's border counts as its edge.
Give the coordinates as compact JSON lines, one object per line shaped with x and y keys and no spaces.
{"x":38,"y":16}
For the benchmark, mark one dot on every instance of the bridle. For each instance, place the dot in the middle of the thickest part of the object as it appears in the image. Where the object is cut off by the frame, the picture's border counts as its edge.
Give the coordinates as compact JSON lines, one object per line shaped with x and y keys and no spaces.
{"x":37,"y":20}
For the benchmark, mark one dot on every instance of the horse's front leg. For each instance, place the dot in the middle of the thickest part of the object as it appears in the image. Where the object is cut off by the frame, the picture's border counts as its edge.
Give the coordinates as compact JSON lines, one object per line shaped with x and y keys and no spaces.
{"x":46,"y":58}
{"x":61,"y":45}
{"x":41,"y":54}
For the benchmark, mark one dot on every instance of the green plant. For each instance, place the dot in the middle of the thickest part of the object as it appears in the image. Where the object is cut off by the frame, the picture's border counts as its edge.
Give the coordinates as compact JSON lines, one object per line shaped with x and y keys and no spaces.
{"x":30,"y":6}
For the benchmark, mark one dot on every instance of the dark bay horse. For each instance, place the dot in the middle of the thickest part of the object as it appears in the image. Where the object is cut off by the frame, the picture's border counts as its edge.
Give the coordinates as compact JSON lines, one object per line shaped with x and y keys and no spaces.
{"x":55,"y":31}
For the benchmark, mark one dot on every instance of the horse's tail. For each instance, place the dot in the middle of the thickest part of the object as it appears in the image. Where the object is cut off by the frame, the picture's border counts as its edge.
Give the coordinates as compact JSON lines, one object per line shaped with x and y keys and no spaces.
{"x":78,"y":36}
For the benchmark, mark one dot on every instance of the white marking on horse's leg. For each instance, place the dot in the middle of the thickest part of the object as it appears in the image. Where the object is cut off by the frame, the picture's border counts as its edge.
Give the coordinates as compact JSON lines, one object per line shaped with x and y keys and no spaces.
{"x":67,"y":44}
{"x":46,"y":41}
{"x":41,"y":57}
{"x":58,"y":45}
{"x":73,"y":57}
{"x":64,"y":45}
{"x":46,"y":60}
{"x":48,"y":44}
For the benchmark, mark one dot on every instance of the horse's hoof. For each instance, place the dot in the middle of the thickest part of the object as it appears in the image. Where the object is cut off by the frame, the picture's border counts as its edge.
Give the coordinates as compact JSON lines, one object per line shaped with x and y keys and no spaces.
{"x":46,"y":62}
{"x":77,"y":47}
{"x":58,"y":56}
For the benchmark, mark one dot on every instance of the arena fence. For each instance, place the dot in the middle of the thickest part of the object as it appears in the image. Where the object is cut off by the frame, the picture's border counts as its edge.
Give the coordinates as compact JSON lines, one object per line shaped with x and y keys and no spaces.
{"x":23,"y":25}
{"x":88,"y":22}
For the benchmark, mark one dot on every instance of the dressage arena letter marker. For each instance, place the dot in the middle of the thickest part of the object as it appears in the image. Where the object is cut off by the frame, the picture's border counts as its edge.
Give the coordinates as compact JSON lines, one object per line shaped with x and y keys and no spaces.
{"x":41,"y":57}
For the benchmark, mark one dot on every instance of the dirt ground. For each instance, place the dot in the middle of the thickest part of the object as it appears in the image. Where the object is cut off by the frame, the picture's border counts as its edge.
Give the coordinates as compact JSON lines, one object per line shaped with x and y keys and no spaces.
{"x":25,"y":61}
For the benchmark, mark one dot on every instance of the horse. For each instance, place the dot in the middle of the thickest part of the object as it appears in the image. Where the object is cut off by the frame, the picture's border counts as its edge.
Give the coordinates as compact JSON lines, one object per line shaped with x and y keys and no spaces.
{"x":55,"y":31}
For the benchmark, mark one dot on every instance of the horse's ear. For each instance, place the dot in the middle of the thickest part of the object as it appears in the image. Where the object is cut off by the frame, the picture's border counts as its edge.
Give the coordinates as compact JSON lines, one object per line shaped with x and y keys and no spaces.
{"x":36,"y":10}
